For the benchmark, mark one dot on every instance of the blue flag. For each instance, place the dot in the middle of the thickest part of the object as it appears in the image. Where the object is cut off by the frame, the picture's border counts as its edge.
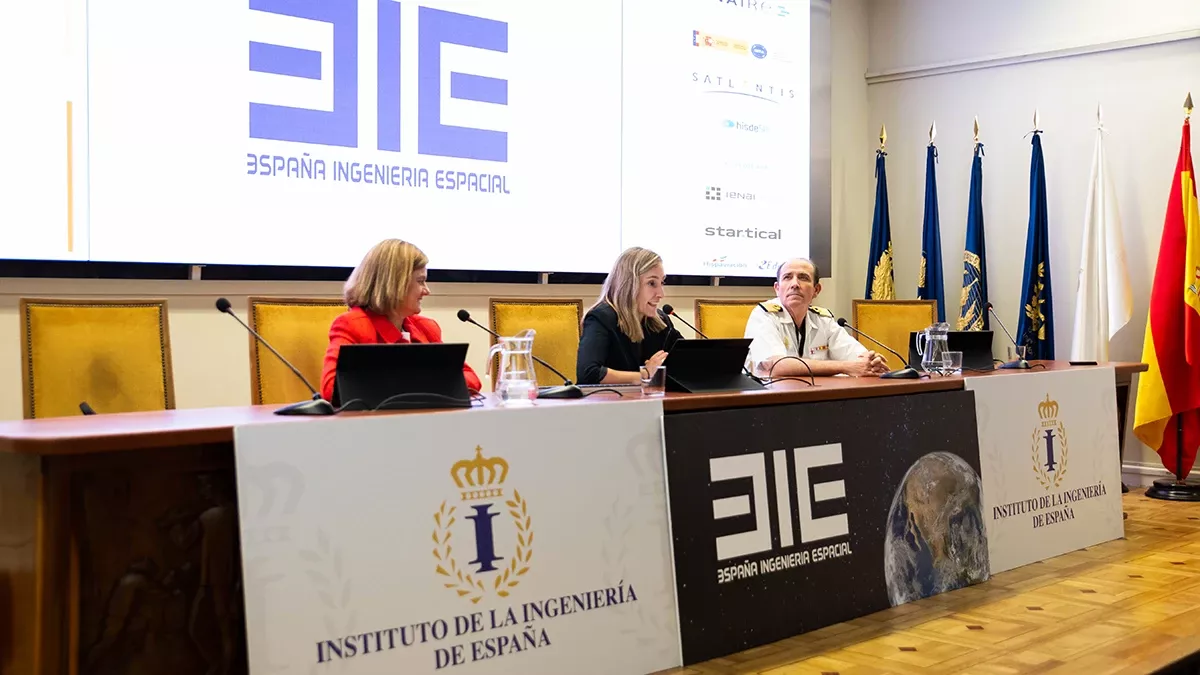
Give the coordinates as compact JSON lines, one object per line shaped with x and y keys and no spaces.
{"x":1035,"y":330}
{"x":929,"y":285}
{"x":974,"y":300}
{"x":880,"y":281}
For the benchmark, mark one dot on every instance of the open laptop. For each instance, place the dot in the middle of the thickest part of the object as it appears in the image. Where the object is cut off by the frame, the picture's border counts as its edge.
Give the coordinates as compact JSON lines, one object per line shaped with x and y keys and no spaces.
{"x":705,"y":366}
{"x":401,"y":377}
{"x":975,"y":345}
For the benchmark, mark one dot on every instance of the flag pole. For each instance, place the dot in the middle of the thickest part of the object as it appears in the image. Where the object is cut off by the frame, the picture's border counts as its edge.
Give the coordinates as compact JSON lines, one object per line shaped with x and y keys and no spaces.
{"x":1180,"y":489}
{"x":1180,"y":476}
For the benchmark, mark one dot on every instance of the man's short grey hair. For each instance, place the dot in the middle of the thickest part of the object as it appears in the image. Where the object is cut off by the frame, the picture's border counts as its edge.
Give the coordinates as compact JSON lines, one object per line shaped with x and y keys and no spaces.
{"x":816,"y":270}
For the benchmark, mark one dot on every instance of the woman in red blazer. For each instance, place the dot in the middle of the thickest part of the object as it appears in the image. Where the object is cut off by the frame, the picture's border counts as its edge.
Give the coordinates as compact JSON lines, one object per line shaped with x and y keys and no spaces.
{"x":384,"y":295}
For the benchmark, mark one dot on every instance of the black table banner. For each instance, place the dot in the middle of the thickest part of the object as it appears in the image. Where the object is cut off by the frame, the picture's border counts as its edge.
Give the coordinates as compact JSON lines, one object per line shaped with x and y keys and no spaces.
{"x":881,"y":501}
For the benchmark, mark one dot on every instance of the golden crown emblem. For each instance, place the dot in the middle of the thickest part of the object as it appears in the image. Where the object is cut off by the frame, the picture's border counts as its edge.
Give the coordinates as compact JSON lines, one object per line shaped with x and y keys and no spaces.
{"x":1048,"y":409}
{"x":484,"y":473}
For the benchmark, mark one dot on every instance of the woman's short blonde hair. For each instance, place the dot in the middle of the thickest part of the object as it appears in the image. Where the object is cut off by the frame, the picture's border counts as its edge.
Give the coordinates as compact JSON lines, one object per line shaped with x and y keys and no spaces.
{"x":621,"y":290}
{"x":381,"y":280}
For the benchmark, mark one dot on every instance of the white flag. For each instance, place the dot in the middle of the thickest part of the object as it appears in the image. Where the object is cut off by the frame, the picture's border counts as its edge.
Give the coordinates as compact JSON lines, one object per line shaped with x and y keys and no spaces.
{"x":1104,"y":299}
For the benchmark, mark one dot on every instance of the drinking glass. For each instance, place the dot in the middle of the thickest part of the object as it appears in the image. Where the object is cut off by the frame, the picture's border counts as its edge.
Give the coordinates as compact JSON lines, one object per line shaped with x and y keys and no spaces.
{"x":952,"y":363}
{"x":1016,"y":355}
{"x":656,"y":383}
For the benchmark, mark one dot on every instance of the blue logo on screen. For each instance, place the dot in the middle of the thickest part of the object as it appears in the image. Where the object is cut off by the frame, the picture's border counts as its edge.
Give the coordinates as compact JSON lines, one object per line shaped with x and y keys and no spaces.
{"x":779,"y":9}
{"x":759,"y":51}
{"x":339,"y":126}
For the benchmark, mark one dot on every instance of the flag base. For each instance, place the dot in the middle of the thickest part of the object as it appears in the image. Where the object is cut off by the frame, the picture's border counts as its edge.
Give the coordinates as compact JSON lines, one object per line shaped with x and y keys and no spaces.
{"x":1173,"y":489}
{"x":1019,"y":364}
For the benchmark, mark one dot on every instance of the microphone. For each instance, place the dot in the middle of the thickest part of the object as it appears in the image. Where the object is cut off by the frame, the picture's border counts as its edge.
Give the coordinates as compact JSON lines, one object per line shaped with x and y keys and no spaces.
{"x":86,"y":409}
{"x":1019,"y":363}
{"x":317,"y":406}
{"x":905,"y":373}
{"x":670,"y":311}
{"x":568,"y":388}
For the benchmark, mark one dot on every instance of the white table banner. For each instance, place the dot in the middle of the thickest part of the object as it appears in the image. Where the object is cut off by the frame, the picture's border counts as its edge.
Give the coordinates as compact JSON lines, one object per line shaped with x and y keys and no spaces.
{"x":486,"y":541}
{"x":1050,"y":464}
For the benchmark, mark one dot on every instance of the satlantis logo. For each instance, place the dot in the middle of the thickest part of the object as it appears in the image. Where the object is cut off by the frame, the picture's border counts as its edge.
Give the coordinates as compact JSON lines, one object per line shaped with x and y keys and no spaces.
{"x":496,"y":556}
{"x":773,"y":92}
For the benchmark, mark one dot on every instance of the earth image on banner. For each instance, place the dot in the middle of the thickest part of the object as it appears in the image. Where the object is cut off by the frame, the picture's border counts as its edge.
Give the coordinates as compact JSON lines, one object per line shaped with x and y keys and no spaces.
{"x":935,"y":539}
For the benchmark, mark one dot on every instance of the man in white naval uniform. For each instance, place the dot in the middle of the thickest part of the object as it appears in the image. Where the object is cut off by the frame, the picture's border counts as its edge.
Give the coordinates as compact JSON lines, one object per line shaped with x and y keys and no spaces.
{"x":790,"y":326}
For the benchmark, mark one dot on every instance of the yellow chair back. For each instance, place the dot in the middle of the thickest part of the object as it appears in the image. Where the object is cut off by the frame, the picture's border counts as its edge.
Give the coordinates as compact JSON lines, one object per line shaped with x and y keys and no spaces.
{"x":891,"y":322}
{"x":723,"y":318}
{"x":298,"y":328}
{"x":557,"y":322}
{"x":113,"y":354}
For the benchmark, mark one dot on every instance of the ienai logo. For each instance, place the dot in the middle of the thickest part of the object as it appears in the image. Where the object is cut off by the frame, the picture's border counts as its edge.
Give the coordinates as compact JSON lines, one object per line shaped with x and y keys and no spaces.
{"x":338,"y":124}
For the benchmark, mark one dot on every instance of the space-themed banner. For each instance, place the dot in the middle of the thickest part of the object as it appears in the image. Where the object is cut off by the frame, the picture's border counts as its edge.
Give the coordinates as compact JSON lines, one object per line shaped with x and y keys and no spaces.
{"x":1051,"y":463}
{"x":790,"y":518}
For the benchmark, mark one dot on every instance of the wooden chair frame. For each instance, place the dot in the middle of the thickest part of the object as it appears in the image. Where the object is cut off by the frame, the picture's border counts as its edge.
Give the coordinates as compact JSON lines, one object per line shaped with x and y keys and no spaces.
{"x":854,"y":304}
{"x":719,"y":301}
{"x":493,"y":368}
{"x":252,"y":302}
{"x":164,"y":334}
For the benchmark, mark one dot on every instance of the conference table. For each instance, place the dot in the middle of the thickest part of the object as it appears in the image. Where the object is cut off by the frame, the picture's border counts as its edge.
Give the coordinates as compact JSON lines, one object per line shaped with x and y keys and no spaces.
{"x":95,"y":509}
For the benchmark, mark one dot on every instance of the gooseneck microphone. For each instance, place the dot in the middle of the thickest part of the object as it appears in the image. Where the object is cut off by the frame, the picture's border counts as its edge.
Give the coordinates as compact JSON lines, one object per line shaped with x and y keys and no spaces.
{"x":905,"y":373}
{"x":670,"y":311}
{"x":568,"y":388}
{"x":1016,"y":364}
{"x":317,"y":406}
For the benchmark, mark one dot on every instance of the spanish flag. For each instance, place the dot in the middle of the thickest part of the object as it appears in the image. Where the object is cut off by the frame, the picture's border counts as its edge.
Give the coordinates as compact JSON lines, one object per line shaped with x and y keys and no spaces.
{"x":1168,"y":396}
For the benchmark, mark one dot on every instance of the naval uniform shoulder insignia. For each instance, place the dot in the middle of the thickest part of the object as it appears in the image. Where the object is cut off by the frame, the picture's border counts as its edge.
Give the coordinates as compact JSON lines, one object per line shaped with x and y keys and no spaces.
{"x":820,"y":311}
{"x":771,"y":306}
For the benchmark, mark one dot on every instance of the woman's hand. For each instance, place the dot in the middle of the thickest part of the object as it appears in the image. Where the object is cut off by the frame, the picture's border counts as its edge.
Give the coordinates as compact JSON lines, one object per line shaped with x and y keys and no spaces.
{"x":655,"y":361}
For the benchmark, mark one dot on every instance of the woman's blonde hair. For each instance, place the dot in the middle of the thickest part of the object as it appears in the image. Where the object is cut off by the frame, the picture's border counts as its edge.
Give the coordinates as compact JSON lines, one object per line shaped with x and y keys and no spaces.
{"x":621,"y":290}
{"x":381,"y":280}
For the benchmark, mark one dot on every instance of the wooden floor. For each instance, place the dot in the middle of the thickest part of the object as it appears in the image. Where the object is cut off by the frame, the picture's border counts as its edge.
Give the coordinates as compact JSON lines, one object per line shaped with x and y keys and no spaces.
{"x":1128,"y":606}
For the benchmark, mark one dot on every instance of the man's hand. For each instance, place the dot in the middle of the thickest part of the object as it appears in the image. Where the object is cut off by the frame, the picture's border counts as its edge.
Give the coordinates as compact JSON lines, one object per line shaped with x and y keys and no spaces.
{"x":868,"y":363}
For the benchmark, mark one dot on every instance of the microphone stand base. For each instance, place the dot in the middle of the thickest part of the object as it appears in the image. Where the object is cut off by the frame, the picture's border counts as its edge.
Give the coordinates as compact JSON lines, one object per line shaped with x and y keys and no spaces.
{"x":565,"y":391}
{"x":317,"y":407}
{"x":1019,"y":364}
{"x":902,"y":374}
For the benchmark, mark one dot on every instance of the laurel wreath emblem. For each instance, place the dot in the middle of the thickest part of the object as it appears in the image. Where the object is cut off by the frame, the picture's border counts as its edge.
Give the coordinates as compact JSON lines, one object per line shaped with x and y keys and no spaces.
{"x":1039,"y":471}
{"x":463,"y":583}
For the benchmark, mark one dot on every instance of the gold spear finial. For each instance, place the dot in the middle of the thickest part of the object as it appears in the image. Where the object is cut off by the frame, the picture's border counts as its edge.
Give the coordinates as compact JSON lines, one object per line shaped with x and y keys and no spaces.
{"x":977,"y":129}
{"x":882,"y":136}
{"x":1037,"y":120}
{"x":932,"y":132}
{"x":1187,"y":105}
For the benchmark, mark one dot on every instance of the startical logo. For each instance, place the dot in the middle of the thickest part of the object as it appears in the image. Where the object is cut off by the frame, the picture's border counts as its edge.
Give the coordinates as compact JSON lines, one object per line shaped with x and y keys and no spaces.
{"x":1049,"y":446}
{"x":712,"y":194}
{"x":500,"y":556}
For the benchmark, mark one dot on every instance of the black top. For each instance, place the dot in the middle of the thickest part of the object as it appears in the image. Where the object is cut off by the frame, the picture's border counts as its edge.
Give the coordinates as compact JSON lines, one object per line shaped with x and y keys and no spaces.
{"x":602,"y":345}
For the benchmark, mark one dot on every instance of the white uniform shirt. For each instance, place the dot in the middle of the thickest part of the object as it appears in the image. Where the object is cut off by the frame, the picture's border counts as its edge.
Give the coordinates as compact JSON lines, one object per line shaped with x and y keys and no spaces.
{"x":774,"y":334}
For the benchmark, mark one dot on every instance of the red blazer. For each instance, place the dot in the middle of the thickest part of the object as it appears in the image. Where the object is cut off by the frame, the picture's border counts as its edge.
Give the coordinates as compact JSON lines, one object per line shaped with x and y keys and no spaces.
{"x":360,"y":326}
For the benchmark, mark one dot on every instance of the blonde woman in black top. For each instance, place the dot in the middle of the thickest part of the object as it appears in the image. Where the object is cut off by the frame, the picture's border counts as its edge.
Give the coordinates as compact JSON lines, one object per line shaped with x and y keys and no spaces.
{"x":624,"y":333}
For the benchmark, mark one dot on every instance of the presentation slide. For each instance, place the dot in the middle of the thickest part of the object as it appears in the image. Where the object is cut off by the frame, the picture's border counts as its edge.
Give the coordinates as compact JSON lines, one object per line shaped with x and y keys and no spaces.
{"x":43,"y":131}
{"x":495,"y":134}
{"x":716,"y":134}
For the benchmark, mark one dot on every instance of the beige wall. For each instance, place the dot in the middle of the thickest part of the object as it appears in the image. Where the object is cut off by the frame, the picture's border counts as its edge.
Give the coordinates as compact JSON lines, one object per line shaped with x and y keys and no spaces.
{"x":210,"y":351}
{"x":935,"y":60}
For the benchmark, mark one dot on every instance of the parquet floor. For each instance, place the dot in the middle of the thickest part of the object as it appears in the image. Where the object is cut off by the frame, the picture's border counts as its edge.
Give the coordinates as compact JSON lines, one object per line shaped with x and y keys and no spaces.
{"x":1127,"y":606}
